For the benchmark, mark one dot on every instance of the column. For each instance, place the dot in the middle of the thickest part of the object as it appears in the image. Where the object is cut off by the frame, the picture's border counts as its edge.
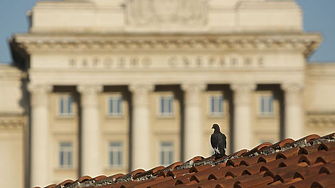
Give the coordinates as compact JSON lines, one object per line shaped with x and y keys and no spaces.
{"x":242,"y":115}
{"x":193,"y":130}
{"x":294,"y":117}
{"x":141,"y":154}
{"x":40,"y":134}
{"x":90,"y":130}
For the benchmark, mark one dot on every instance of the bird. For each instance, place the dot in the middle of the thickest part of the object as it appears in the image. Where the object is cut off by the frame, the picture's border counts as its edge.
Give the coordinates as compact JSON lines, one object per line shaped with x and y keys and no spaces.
{"x":218,"y":142}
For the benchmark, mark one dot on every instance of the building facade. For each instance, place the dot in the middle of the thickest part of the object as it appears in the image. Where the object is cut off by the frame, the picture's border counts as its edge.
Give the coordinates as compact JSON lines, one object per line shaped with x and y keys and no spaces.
{"x":104,"y":87}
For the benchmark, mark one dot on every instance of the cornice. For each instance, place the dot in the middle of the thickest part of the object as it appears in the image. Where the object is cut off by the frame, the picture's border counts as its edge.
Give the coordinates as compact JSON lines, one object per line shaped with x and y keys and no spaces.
{"x":306,"y":43}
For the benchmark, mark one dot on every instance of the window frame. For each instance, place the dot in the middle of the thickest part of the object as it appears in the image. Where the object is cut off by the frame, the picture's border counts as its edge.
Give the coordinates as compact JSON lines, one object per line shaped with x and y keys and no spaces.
{"x":167,"y":151}
{"x":210,"y":107}
{"x":119,"y":155}
{"x":266,"y":112}
{"x":168,"y":106}
{"x":63,"y":153}
{"x":70,"y":106}
{"x":118,"y":97}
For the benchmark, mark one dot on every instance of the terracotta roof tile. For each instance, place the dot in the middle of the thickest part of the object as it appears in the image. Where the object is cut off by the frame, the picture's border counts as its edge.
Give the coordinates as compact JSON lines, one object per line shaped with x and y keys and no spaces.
{"x":307,"y":162}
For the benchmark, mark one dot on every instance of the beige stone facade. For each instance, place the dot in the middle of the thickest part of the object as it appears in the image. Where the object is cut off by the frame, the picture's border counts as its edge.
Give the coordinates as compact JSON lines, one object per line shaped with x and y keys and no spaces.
{"x":104,"y":87}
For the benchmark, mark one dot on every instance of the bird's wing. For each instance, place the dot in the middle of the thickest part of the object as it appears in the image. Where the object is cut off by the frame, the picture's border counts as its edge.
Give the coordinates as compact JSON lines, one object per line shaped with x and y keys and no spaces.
{"x":215,"y":140}
{"x":223,"y":137}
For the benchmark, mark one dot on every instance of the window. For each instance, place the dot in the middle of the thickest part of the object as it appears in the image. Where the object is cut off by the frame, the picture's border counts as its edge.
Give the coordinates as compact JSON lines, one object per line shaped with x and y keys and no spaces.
{"x":166,"y":105}
{"x":65,"y":155}
{"x":166,"y":153}
{"x":115,"y":106}
{"x":216,"y":105}
{"x":115,"y":154}
{"x":266,"y":105}
{"x":65,"y":106}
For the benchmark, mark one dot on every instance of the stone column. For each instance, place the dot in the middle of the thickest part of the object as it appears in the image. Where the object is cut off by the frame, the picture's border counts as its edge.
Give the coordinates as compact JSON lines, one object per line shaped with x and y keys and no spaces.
{"x":294,"y":117}
{"x":141,"y":154}
{"x":193,"y":130}
{"x":90,"y":130}
{"x":242,"y":115}
{"x":40,"y":135}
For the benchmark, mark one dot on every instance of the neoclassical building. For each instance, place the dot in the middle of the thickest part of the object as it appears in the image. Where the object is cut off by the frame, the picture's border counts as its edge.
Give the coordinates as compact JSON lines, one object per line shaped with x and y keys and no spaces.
{"x":101,"y":87}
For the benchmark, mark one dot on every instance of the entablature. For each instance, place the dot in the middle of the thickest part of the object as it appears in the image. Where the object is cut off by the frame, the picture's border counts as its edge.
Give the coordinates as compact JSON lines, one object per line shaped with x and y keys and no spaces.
{"x":39,"y":43}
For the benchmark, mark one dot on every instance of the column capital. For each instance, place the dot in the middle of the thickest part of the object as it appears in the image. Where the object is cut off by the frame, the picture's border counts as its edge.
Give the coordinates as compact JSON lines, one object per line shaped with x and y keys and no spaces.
{"x":140,"y":93}
{"x":292,"y":86}
{"x":192,"y":92}
{"x":243,"y":86}
{"x":89,"y":88}
{"x":193,"y":87}
{"x":242,"y":92}
{"x":39,"y":94}
{"x":89,"y":94}
{"x":293,"y":92}
{"x":141,"y":88}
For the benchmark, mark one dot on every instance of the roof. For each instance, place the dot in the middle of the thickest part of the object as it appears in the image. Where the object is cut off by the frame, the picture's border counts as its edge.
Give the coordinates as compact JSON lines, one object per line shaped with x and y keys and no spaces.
{"x":307,"y":162}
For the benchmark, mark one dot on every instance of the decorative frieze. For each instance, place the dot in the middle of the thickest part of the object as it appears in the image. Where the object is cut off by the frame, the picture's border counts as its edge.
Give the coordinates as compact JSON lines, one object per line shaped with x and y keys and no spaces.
{"x":12,"y":122}
{"x":306,"y":43}
{"x":161,"y":12}
{"x":326,"y":119}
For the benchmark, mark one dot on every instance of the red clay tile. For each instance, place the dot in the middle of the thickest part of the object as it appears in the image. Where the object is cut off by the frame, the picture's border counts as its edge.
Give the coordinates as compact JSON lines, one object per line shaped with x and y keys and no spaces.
{"x":66,"y":182}
{"x":255,"y":182}
{"x":283,"y":143}
{"x":197,"y":158}
{"x":84,"y":178}
{"x":99,"y":177}
{"x":288,"y":153}
{"x":137,"y":172}
{"x":197,"y":169}
{"x":329,"y":136}
{"x":177,"y":173}
{"x":51,"y":186}
{"x":174,"y":165}
{"x":258,"y":148}
{"x":309,"y":138}
{"x":240,"y":152}
{"x":281,"y":165}
{"x":324,"y":181}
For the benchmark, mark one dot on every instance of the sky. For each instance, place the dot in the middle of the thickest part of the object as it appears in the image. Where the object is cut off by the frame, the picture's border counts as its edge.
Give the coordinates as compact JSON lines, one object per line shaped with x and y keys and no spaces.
{"x":319,"y":16}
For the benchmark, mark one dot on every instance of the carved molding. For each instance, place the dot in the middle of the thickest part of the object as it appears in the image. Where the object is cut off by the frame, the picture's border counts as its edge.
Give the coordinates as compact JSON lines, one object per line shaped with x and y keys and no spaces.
{"x":89,"y":94}
{"x":140,"y":93}
{"x":193,"y":92}
{"x":12,"y":122}
{"x":39,"y":94}
{"x":242,"y":92}
{"x":304,"y":43}
{"x":147,"y":13}
{"x":321,"y":120}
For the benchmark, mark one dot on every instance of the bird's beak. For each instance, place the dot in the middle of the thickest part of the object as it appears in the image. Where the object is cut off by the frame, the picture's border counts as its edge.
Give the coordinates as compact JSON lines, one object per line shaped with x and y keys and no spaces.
{"x":212,"y":127}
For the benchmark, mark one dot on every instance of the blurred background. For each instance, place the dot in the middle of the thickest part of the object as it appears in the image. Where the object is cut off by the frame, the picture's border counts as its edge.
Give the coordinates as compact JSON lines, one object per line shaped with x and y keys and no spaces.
{"x":103,"y":87}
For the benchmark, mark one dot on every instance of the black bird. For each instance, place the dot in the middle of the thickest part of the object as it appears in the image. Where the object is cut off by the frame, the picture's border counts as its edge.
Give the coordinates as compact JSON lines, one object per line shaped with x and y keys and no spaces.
{"x":218,"y":142}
